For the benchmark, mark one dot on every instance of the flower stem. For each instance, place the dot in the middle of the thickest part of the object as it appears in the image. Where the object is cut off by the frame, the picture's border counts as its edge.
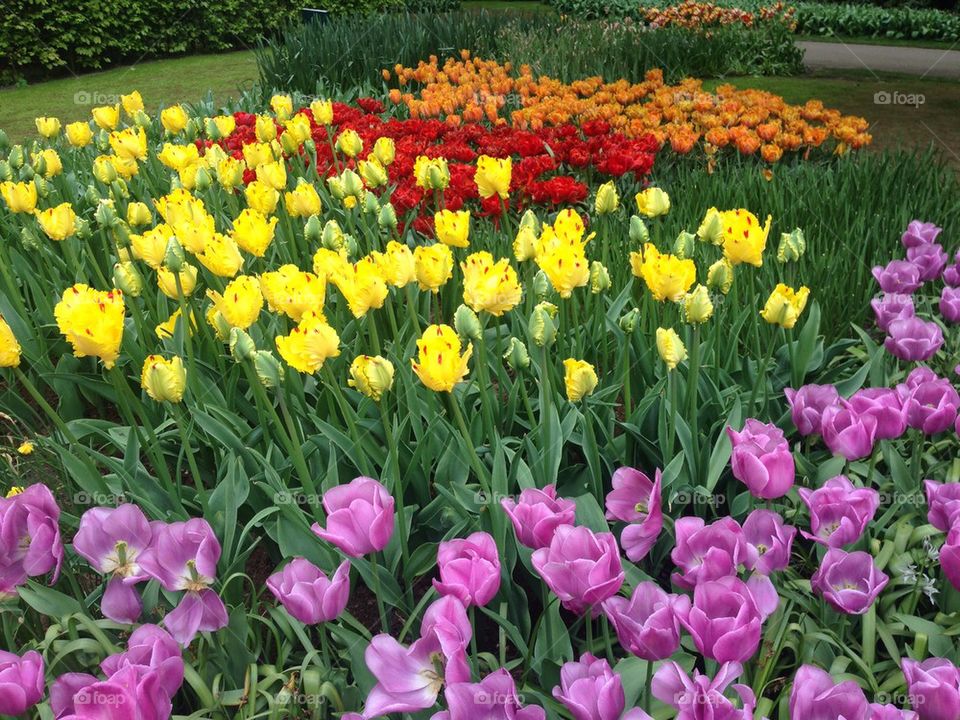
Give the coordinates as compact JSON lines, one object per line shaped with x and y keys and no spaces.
{"x":378,"y":591}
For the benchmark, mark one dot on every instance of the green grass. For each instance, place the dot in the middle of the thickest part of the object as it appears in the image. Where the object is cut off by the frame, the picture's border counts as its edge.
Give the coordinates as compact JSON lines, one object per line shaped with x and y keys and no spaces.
{"x":161,"y":82}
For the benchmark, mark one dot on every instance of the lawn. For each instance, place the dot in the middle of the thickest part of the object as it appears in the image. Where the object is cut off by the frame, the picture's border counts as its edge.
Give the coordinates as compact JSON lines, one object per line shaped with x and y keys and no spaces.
{"x":162,"y":82}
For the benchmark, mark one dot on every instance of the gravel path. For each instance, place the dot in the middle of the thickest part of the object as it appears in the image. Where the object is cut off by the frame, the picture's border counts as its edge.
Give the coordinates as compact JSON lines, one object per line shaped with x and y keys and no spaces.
{"x":923,"y":62}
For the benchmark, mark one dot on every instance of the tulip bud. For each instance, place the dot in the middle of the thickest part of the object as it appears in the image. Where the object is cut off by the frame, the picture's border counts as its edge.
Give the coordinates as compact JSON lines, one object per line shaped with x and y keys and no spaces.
{"x":638,"y":230}
{"x":211,"y":129}
{"x":6,"y":172}
{"x":82,"y":230}
{"x":311,"y":147}
{"x":43,"y":187}
{"x":530,"y":220}
{"x":193,"y":129}
{"x":102,"y":141}
{"x":16,"y":156}
{"x":203,"y":179}
{"x":126,"y":277}
{"x":118,"y":188}
{"x":599,"y":278}
{"x":607,"y":199}
{"x":242,"y":346}
{"x":542,"y":327}
{"x":27,"y":173}
{"x":720,"y":276}
{"x":370,"y":203}
{"x":105,"y":215}
{"x":138,"y":214}
{"x":350,"y":243}
{"x":792,"y":246}
{"x":39,"y":165}
{"x":313,"y":230}
{"x":164,"y":380}
{"x":387,"y":217}
{"x":289,"y":143}
{"x":4,"y":140}
{"x":697,"y":306}
{"x":269,"y":370}
{"x":628,"y":321}
{"x":174,"y":258}
{"x":467,"y":323}
{"x":29,"y":239}
{"x":541,"y":285}
{"x":711,"y":229}
{"x":438,"y":178}
{"x":141,"y":119}
{"x":103,"y":170}
{"x":517,"y":356}
{"x":670,"y":347}
{"x":332,"y":237}
{"x":684,"y":246}
{"x":91,"y":195}
{"x":371,"y":375}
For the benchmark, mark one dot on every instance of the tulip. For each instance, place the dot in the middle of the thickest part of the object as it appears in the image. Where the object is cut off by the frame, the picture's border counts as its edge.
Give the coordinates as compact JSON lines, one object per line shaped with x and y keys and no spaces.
{"x":48,"y":127}
{"x":765,"y":532}
{"x":920,"y":233}
{"x":930,"y":260}
{"x":720,"y":276}
{"x":647,"y":624}
{"x":184,"y":556}
{"x":431,"y":173}
{"x":761,"y":459}
{"x":581,"y":568}
{"x":177,"y":285}
{"x":164,"y":380}
{"x":79,"y":134}
{"x":30,"y":543}
{"x":469,"y":569}
{"x":708,"y":552}
{"x":537,"y":514}
{"x":349,"y":143}
{"x":92,"y":322}
{"x":359,"y":517}
{"x":452,"y":227}
{"x":808,"y":404}
{"x":63,"y":690}
{"x":489,"y":285}
{"x":372,"y":376}
{"x":951,"y":274}
{"x":174,"y":119}
{"x":943,"y":503}
{"x":21,"y":682}
{"x":607,"y":200}
{"x":847,"y":432}
{"x":439,"y":364}
{"x":322,"y":111}
{"x":744,"y":239}
{"x":670,"y":347}
{"x":653,"y":202}
{"x":493,"y":698}
{"x":580,"y":379}
{"x":892,"y":307}
{"x":634,"y":499}
{"x":724,"y":620}
{"x":696,"y":306}
{"x":899,"y":276}
{"x":308,"y":594}
{"x":699,"y":697}
{"x":112,"y":541}
{"x":128,"y":694}
{"x":303,"y":201}
{"x":363,"y":286}
{"x":792,"y":246}
{"x":433,"y":265}
{"x":20,"y":197}
{"x":849,"y":582}
{"x":839,"y":512}
{"x":931,"y":405}
{"x":815,"y":695}
{"x":150,"y":649}
{"x":400,"y":266}
{"x":885,"y":406}
{"x":950,"y":557}
{"x":493,"y":176}
{"x":106,"y":116}
{"x":785,"y":305}
{"x":243,"y":303}
{"x":668,"y":277}
{"x":590,"y":689}
{"x":934,"y":688}
{"x":9,"y":347}
{"x":890,"y":712}
{"x":467,"y":324}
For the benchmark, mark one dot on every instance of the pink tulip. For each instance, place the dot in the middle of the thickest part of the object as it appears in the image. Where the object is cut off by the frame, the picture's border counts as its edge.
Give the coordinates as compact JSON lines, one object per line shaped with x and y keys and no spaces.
{"x":581,"y":568}
{"x":724,"y":620}
{"x":847,"y":432}
{"x":898,"y":276}
{"x":934,"y":688}
{"x":493,"y":698}
{"x":950,"y":557}
{"x":636,"y":500}
{"x":30,"y":543}
{"x":761,"y":459}
{"x":886,"y":407}
{"x":359,"y":517}
{"x":708,"y":552}
{"x":21,"y":682}
{"x":849,"y":582}
{"x":913,"y":339}
{"x":647,"y":624}
{"x":150,"y":649}
{"x":929,"y":258}
{"x":591,"y":690}
{"x":469,"y":569}
{"x":891,"y":307}
{"x":537,"y":514}
{"x":943,"y":503}
{"x":702,"y":698}
{"x":815,"y":695}
{"x":308,"y":594}
{"x":930,"y":403}
{"x":839,"y":512}
{"x":771,"y":540}
{"x":807,"y":405}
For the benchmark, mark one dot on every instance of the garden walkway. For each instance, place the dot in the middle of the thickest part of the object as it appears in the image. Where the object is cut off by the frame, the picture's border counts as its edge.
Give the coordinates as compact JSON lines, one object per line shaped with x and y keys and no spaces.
{"x":882,"y":58}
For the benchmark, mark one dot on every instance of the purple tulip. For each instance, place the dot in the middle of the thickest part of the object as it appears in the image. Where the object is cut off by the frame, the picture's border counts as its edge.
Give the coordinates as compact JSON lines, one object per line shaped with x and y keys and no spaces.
{"x":64,"y":688}
{"x":128,"y":695}
{"x":934,"y":688}
{"x":771,"y":540}
{"x":920,"y":233}
{"x":359,"y":517}
{"x":815,"y":696}
{"x":699,"y":697}
{"x":943,"y":504}
{"x":890,"y":712}
{"x":950,"y":557}
{"x":951,"y":273}
{"x":112,"y":540}
{"x":892,"y":306}
{"x":849,"y":433}
{"x":950,"y":304}
{"x":493,"y":698}
{"x":590,"y":689}
{"x":761,"y":459}
{"x":581,"y":568}
{"x":21,"y":681}
{"x":885,"y":406}
{"x":30,"y":543}
{"x":899,"y":276}
{"x":807,"y":405}
{"x":930,"y":403}
{"x":308,"y":594}
{"x":724,"y":620}
{"x":850,"y":582}
{"x":469,"y":569}
{"x":446,"y":620}
{"x":647,"y":624}
{"x":150,"y":649}
{"x":636,"y":500}
{"x":537,"y":514}
{"x":708,"y":552}
{"x":913,"y":339}
{"x":920,"y":375}
{"x":184,"y":556}
{"x":930,"y":260}
{"x":839,"y":512}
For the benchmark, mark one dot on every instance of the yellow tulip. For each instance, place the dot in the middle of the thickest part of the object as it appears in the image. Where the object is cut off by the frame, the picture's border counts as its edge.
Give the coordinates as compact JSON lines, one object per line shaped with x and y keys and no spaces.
{"x":273,"y":174}
{"x":225,"y":125}
{"x":399,"y":266}
{"x":363,"y":286}
{"x":92,"y":322}
{"x":371,"y":375}
{"x":440,"y":364}
{"x":221,"y":256}
{"x":384,"y":151}
{"x":431,"y":173}
{"x":168,"y":327}
{"x":720,"y":276}
{"x":167,"y":282}
{"x":490,"y":286}
{"x":58,"y":223}
{"x":9,"y":347}
{"x":667,"y":276}
{"x":697,"y":306}
{"x":257,"y":154}
{"x":564,"y":264}
{"x":131,"y":143}
{"x":433,"y":265}
{"x":670,"y":347}
{"x":744,"y":239}
{"x":524,"y":247}
{"x":20,"y":197}
{"x":322,"y":111}
{"x":579,"y":378}
{"x":493,"y":176}
{"x":132,"y":103}
{"x":79,"y":134}
{"x":127,"y":278}
{"x":607,"y":200}
{"x":293,"y":292}
{"x":261,"y":197}
{"x":282,"y":106}
{"x":303,"y":201}
{"x":174,"y":119}
{"x":48,"y":127}
{"x":711,"y":229}
{"x":327,"y":263}
{"x":151,"y":246}
{"x":265,"y":128}
{"x":164,"y":380}
{"x":104,"y":170}
{"x":453,"y":227}
{"x":349,"y":143}
{"x":372,"y":172}
{"x":253,"y":232}
{"x":241,"y":302}
{"x":310,"y":344}
{"x":48,"y":161}
{"x":785,"y":305}
{"x":138,"y":214}
{"x":177,"y":157}
{"x":106,"y":116}
{"x":230,"y":172}
{"x":653,"y":202}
